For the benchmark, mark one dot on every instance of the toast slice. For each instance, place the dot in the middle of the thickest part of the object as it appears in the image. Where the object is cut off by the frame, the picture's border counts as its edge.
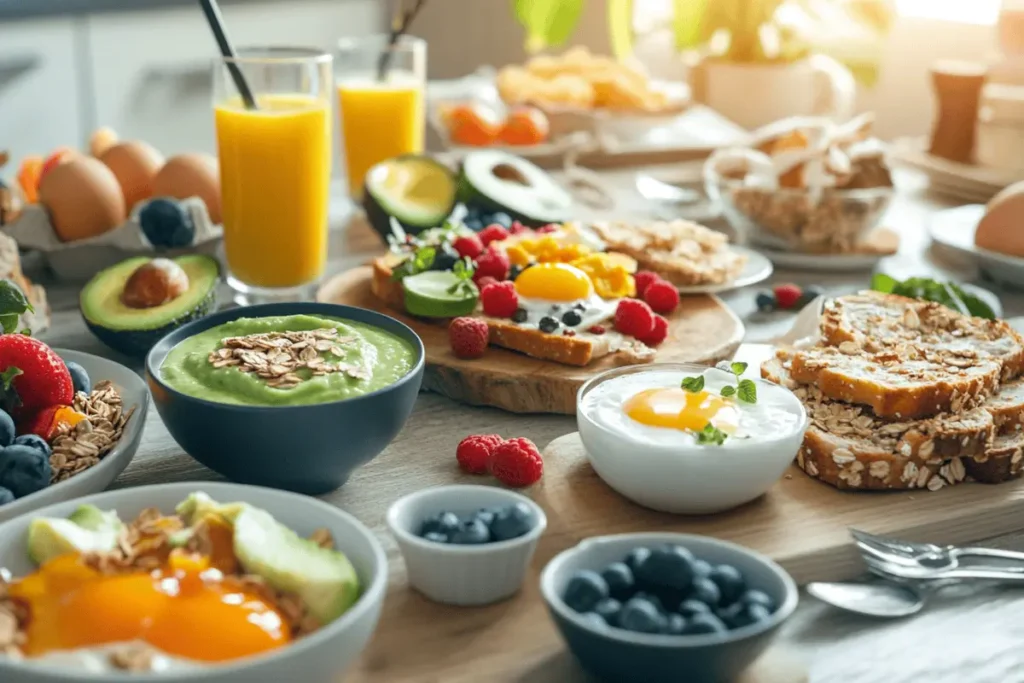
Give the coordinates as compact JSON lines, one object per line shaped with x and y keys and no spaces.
{"x":895,"y":386}
{"x":1007,"y":408}
{"x":875,"y":322}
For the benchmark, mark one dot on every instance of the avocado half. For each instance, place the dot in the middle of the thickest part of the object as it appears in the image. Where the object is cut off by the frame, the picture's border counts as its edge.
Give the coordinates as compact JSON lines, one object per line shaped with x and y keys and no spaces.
{"x":134,"y":331}
{"x":415,"y":189}
{"x":499,"y":181}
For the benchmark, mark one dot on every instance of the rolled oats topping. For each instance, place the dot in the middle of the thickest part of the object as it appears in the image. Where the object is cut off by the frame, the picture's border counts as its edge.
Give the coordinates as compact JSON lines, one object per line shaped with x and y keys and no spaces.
{"x":75,"y":449}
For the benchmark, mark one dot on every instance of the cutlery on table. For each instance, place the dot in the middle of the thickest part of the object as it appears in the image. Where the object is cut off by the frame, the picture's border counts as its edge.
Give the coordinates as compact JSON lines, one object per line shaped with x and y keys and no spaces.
{"x":934,"y":557}
{"x":655,"y":190}
{"x":871,"y":598}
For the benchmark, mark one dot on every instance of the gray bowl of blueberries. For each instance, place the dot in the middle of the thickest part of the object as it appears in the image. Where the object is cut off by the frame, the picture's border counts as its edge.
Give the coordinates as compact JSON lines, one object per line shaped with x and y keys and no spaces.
{"x":643,"y":608}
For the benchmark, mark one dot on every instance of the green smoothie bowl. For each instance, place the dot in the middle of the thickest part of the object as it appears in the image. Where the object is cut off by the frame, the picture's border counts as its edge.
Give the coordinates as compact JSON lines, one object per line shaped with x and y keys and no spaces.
{"x":293,"y":395}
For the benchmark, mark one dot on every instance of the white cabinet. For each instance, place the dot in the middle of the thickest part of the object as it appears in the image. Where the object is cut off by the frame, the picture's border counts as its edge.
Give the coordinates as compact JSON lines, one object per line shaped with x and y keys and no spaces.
{"x":39,"y":88}
{"x":150,"y":70}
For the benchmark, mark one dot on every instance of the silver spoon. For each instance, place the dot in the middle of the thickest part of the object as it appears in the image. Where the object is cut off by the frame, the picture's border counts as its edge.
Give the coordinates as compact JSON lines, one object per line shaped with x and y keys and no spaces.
{"x":655,"y":190}
{"x":873,"y":599}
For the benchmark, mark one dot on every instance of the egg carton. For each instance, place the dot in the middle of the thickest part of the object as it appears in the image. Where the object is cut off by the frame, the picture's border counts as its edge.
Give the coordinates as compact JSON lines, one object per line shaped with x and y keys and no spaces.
{"x":78,"y":261}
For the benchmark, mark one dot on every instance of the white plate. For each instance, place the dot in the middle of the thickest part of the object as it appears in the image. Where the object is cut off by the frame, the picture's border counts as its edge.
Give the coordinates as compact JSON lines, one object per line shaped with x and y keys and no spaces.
{"x":836,"y":263}
{"x":758,"y":269}
{"x":98,"y":477}
{"x":954,"y":228}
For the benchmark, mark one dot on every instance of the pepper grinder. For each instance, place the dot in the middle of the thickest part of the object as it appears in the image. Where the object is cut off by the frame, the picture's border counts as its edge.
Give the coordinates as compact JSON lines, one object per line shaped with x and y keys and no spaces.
{"x":957,"y":87}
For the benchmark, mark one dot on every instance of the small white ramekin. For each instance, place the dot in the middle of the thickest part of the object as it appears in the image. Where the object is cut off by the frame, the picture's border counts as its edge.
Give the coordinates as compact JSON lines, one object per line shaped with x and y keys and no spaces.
{"x":462,"y":574}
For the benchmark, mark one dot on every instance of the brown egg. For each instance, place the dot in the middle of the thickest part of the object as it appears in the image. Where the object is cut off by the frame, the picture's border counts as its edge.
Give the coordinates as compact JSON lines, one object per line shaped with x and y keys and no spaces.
{"x":1002,"y":227}
{"x":134,"y":164}
{"x":83,"y":199}
{"x":191,"y":175}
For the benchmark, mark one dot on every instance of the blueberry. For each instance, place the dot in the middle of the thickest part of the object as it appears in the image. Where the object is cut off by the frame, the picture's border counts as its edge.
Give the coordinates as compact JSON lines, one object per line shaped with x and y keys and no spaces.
{"x":701,"y":624}
{"x":809,"y":294}
{"x":765,"y":301}
{"x":635,"y":557}
{"x":548,"y":324}
{"x":486,"y":515}
{"x":729,"y":581}
{"x":502,"y":219}
{"x":756,"y":597}
{"x":689,"y":608}
{"x":24,"y":470}
{"x":441,"y":523}
{"x":653,"y":599}
{"x":471,"y":532}
{"x":669,"y":566}
{"x":676,"y":625}
{"x":740,"y":614}
{"x":585,"y":590}
{"x":609,"y":609}
{"x":595,"y":620}
{"x":620,"y":581}
{"x":571,"y":318}
{"x":701,"y":568}
{"x":642,"y":616}
{"x":474,"y":224}
{"x":34,"y":441}
{"x":705,"y":590}
{"x":732,"y":615}
{"x":755,"y":614}
{"x":166,"y":223}
{"x":6,"y":496}
{"x":7,"y":431}
{"x":519,"y":316}
{"x":512,"y":522}
{"x":79,"y":377}
{"x":445,"y":257}
{"x":436,"y":537}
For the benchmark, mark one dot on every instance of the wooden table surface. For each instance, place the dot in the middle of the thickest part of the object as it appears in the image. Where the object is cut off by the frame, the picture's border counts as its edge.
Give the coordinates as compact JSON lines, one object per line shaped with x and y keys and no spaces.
{"x":974,"y":637}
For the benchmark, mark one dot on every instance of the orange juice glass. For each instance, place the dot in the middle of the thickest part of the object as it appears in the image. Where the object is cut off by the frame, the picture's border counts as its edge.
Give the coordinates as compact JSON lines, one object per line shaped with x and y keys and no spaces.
{"x":382,"y":110}
{"x":275,"y":169}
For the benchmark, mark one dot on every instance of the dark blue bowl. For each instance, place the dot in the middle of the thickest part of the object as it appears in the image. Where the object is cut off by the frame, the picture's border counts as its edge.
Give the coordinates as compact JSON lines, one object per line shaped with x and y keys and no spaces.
{"x":311,"y":449}
{"x":618,"y":656}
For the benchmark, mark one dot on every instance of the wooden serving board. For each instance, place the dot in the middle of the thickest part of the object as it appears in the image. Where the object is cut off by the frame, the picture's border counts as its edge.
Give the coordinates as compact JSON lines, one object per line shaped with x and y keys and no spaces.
{"x":701,"y":330}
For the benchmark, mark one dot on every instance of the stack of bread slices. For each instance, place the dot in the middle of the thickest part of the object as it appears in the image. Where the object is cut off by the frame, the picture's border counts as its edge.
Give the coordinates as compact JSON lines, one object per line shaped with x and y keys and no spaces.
{"x":907,"y":394}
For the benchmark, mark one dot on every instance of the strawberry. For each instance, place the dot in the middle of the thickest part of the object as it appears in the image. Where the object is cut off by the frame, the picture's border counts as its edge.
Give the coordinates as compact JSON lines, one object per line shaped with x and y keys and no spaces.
{"x":32,"y":375}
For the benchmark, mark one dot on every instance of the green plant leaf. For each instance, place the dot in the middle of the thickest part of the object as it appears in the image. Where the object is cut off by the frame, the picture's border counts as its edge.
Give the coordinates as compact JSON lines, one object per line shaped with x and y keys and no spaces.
{"x":694,"y":384}
{"x":881,"y":282}
{"x":728,"y":391}
{"x":7,"y":378}
{"x":690,"y":23}
{"x":738,"y":368}
{"x":711,"y":435}
{"x":9,"y":322}
{"x":746,"y":391}
{"x":548,"y":23}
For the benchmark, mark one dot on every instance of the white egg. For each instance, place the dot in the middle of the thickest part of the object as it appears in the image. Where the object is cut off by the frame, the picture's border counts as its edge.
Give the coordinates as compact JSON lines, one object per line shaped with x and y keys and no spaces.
{"x":775,"y":413}
{"x":592,"y":311}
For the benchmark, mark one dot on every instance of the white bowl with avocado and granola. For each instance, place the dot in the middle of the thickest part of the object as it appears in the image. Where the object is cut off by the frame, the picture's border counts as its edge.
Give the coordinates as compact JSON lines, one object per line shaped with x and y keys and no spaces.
{"x":190,"y":582}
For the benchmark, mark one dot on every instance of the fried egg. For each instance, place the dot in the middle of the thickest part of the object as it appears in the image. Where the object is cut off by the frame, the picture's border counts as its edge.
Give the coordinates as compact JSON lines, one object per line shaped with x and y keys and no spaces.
{"x":653,"y":408}
{"x":554,"y":289}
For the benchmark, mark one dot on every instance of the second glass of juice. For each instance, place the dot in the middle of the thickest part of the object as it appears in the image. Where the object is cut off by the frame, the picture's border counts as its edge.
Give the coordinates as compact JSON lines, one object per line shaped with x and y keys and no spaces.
{"x":381,"y":101}
{"x":275,"y":168}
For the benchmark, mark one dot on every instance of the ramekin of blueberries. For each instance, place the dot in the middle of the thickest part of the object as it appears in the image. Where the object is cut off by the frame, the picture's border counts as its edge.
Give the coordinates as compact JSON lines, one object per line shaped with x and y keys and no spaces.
{"x":466,"y":545}
{"x":645,"y":607}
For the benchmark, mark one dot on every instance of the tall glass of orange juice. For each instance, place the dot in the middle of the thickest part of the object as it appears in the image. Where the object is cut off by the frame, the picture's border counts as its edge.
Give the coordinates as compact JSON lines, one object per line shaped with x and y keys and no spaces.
{"x":272,"y":110}
{"x":380,"y":100}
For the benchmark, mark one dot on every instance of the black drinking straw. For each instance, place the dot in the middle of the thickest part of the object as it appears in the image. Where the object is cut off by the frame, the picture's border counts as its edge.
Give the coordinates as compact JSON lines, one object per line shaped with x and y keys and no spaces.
{"x":216,"y":21}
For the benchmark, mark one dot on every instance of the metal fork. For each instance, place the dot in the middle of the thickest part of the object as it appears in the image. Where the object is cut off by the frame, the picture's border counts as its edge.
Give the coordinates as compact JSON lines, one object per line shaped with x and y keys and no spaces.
{"x":917,"y":574}
{"x":929,"y":556}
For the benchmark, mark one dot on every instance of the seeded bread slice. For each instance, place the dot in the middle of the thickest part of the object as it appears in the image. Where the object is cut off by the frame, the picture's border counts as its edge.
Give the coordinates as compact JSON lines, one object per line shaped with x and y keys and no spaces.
{"x":873,"y":321}
{"x":896,"y":386}
{"x":1007,"y":407}
{"x":1001,"y":462}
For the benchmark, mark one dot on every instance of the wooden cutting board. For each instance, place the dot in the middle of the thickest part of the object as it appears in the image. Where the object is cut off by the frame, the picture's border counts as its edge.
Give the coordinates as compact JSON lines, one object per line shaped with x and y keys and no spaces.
{"x":701,"y":330}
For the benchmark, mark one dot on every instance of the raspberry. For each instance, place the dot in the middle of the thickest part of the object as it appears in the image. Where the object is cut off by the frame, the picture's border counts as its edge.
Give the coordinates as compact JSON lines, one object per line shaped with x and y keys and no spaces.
{"x":634,"y":317}
{"x":657,"y":333}
{"x":474,"y":452}
{"x":500,"y":299}
{"x":661,"y":296}
{"x":493,"y":262}
{"x":550,"y":227}
{"x":643,"y":279}
{"x":516,"y":462}
{"x":492,"y":233}
{"x":468,"y":245}
{"x":484,"y":281}
{"x":518,"y":228}
{"x":787,"y":295}
{"x":468,"y":337}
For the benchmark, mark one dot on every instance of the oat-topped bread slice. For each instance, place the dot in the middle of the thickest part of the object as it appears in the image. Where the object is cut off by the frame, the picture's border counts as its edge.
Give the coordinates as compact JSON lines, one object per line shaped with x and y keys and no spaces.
{"x":1007,"y":407}
{"x":875,"y":321}
{"x":849,"y":447}
{"x":897,"y":386}
{"x":580,"y":349}
{"x":682,"y":252}
{"x":1001,"y":462}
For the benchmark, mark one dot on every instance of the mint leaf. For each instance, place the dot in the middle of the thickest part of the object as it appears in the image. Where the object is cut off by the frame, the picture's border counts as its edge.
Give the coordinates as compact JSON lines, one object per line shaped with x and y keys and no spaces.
{"x":747,"y":391}
{"x":728,"y":391}
{"x":9,"y":322}
{"x":711,"y":435}
{"x":883,"y":283}
{"x":423,"y":259}
{"x":694,"y":384}
{"x":464,"y":268}
{"x":738,"y":368}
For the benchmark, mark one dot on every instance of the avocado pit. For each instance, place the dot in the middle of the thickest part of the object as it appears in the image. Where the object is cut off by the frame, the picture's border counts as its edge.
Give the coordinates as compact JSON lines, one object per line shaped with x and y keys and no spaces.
{"x":155,"y":283}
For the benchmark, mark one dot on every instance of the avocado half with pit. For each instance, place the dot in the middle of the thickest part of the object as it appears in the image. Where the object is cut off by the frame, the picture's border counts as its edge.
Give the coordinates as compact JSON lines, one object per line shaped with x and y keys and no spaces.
{"x":416,"y":190}
{"x":499,"y":181}
{"x":132,"y":305}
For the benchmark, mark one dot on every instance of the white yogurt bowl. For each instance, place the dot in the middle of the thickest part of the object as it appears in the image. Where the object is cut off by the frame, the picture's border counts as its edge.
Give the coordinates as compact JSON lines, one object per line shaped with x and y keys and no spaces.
{"x":664,"y":468}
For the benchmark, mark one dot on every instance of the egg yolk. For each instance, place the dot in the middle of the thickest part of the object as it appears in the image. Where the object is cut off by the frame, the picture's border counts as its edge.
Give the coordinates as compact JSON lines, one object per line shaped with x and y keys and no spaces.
{"x":554,"y":282}
{"x":194,"y":615}
{"x":674,"y":408}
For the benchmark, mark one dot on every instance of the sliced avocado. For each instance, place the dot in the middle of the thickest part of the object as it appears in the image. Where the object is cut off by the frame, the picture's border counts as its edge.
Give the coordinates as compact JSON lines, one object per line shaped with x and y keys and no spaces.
{"x":498,"y":181}
{"x":439,"y":294}
{"x":88,"y":529}
{"x":133,"y":331}
{"x":199,"y":504}
{"x":417,"y":190}
{"x":324,"y":579}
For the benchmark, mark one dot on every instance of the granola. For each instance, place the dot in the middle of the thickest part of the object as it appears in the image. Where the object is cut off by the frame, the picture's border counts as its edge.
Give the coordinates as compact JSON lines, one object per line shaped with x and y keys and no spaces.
{"x":78,"y":448}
